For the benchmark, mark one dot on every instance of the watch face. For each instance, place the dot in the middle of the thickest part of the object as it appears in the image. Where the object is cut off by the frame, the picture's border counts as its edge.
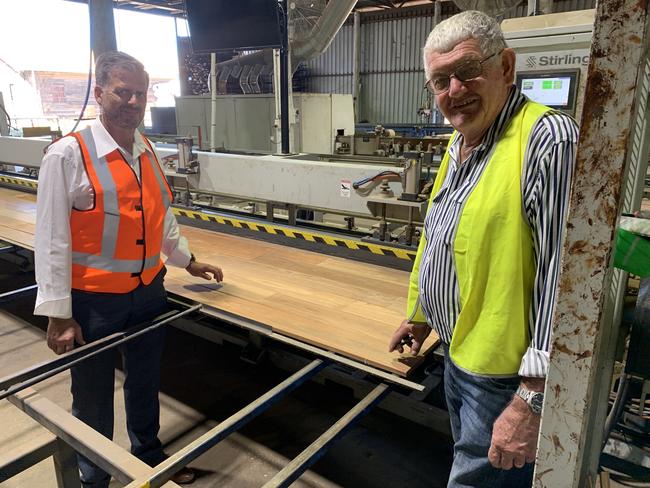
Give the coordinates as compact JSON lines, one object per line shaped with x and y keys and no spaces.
{"x":536,"y":402}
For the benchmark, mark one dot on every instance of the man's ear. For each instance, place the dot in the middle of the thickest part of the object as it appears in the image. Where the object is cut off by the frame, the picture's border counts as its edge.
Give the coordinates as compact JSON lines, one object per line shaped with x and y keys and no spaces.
{"x":99,"y":93}
{"x":508,"y":62}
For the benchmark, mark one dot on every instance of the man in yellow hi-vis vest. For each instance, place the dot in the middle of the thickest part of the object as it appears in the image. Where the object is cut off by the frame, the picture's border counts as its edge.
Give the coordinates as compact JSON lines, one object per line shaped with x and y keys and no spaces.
{"x":487,"y":265}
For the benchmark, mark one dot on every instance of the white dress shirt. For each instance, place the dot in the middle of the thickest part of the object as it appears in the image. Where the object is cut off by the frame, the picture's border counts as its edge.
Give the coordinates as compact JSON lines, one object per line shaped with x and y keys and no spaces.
{"x":63,"y":185}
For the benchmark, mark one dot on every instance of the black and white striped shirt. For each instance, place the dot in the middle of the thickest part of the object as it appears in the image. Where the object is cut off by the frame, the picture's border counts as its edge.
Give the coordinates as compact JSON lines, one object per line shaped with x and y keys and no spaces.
{"x":546,"y":182}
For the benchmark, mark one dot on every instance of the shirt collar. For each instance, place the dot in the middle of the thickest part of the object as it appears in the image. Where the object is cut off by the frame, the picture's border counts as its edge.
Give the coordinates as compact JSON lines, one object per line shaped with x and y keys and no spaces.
{"x":513,"y":103}
{"x":105,"y":144}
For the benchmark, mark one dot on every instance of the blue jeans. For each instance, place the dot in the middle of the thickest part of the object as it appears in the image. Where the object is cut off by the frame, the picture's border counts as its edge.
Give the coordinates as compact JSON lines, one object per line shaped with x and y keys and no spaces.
{"x":474,"y":403}
{"x":93,"y":380}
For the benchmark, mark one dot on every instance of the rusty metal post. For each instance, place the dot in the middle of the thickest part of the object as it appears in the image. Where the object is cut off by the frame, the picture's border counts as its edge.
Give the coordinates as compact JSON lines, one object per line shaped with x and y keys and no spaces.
{"x":584,"y":327}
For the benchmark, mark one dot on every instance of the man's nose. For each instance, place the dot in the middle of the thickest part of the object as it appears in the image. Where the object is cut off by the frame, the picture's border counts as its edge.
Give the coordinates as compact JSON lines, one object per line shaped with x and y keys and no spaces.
{"x":455,"y":85}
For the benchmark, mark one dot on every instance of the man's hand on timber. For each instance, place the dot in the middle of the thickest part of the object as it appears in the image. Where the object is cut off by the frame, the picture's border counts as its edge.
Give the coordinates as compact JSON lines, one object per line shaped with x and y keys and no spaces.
{"x":408,"y":333}
{"x":515,"y":431}
{"x":62,"y":334}
{"x":203,"y":270}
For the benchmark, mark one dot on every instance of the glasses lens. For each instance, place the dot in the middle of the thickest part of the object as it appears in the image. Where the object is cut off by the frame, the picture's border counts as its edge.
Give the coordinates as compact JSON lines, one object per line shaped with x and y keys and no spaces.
{"x":440,"y":84}
{"x":469,"y":70}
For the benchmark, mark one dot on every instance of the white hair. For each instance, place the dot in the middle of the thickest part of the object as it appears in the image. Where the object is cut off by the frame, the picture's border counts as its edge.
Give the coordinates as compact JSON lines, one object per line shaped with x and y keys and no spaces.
{"x":470,"y":24}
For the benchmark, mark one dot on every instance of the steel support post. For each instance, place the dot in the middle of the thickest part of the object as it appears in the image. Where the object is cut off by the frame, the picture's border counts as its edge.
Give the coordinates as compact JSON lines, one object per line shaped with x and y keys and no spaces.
{"x":213,"y":104}
{"x":540,"y":7}
{"x":102,"y":26}
{"x":581,"y":360}
{"x":182,"y":458}
{"x":277,"y":125}
{"x":356,"y":64}
{"x":532,"y":7}
{"x":4,"y":121}
{"x":319,"y":447}
{"x":65,"y":466}
{"x":285,"y":79}
{"x":437,"y":18}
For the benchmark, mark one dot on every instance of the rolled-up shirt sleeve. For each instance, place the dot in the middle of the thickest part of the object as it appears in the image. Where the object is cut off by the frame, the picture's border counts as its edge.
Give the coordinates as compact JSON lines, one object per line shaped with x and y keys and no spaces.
{"x":174,"y":245}
{"x":546,"y":191}
{"x":52,"y":246}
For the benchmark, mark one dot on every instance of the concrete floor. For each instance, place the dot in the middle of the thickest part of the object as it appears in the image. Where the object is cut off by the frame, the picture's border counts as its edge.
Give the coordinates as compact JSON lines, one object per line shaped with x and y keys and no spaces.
{"x":204,"y":383}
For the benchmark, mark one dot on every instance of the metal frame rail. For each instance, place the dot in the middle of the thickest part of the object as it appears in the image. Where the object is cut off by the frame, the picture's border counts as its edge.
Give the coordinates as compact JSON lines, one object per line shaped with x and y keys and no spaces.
{"x":292,"y":471}
{"x":73,"y":435}
{"x":193,"y":450}
{"x":15,"y":293}
{"x":35,"y":374}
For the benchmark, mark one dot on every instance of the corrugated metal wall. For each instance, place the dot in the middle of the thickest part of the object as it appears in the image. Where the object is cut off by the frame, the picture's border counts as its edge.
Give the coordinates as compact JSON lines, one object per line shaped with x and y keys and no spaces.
{"x":391,"y":70}
{"x":331,"y":72}
{"x":391,"y":66}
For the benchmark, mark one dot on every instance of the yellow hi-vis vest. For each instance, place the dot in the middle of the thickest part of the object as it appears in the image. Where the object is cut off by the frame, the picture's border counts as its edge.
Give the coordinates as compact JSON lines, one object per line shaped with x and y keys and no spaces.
{"x":493,"y":258}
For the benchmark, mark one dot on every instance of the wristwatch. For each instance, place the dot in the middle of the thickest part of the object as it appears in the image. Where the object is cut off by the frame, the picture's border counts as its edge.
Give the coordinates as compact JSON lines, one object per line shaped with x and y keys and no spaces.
{"x":534,"y":399}
{"x":192,"y":260}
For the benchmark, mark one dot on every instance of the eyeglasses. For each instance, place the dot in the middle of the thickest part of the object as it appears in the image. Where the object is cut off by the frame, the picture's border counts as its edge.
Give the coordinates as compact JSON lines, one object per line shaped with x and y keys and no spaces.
{"x":466,"y":71}
{"x":126,"y":94}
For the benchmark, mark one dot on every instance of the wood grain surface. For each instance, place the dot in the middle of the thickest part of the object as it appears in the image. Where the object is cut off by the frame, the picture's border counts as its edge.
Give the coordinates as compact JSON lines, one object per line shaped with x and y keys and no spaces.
{"x":344,"y":306}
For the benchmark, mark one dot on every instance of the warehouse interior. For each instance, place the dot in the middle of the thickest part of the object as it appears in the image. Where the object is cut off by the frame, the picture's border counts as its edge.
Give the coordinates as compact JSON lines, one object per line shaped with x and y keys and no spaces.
{"x":301,"y":163}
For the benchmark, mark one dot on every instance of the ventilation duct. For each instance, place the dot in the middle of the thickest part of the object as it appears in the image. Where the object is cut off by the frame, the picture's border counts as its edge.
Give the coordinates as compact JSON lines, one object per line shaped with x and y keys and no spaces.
{"x":312,"y":27}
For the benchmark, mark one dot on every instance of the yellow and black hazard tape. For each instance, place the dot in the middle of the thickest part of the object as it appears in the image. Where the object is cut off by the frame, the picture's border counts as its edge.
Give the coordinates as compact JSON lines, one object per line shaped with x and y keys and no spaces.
{"x":269,"y":228}
{"x":298,"y":234}
{"x":19,"y":181}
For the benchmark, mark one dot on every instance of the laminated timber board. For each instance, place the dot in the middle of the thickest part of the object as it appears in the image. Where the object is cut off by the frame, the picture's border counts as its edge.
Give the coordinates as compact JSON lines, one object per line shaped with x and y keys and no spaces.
{"x":343,"y":306}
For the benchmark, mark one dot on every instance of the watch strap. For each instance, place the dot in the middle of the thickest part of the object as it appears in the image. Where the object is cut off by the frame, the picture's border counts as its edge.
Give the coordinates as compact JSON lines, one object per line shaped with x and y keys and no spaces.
{"x":523,"y":393}
{"x":534,"y":399}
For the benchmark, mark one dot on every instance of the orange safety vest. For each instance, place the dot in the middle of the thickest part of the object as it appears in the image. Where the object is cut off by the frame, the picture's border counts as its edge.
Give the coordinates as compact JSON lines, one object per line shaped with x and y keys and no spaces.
{"x":116,"y":245}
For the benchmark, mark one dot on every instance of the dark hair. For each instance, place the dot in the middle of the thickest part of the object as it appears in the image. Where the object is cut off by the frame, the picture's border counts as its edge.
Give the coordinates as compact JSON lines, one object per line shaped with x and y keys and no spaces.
{"x":115,"y":59}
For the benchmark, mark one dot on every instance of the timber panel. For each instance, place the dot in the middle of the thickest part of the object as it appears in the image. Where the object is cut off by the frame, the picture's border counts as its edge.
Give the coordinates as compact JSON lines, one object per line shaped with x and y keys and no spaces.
{"x":347,"y":307}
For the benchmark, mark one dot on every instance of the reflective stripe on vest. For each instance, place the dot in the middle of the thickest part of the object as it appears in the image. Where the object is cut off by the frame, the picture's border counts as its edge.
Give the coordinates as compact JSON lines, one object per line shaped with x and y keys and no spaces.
{"x":116,"y":266}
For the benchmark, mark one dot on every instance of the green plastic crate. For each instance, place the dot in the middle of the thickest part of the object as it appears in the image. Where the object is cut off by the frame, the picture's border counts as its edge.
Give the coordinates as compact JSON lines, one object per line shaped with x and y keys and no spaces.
{"x":632,"y":253}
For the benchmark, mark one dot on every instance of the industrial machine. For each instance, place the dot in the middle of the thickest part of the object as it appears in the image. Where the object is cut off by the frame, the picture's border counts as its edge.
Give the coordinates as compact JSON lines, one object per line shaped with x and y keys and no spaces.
{"x":366,"y":185}
{"x":386,"y":142}
{"x":552,"y":57}
{"x":246,"y":122}
{"x":315,"y":185}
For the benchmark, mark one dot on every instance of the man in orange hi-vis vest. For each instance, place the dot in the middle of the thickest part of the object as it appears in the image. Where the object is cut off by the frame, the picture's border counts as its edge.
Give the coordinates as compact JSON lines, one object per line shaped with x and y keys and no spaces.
{"x":103,"y":227}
